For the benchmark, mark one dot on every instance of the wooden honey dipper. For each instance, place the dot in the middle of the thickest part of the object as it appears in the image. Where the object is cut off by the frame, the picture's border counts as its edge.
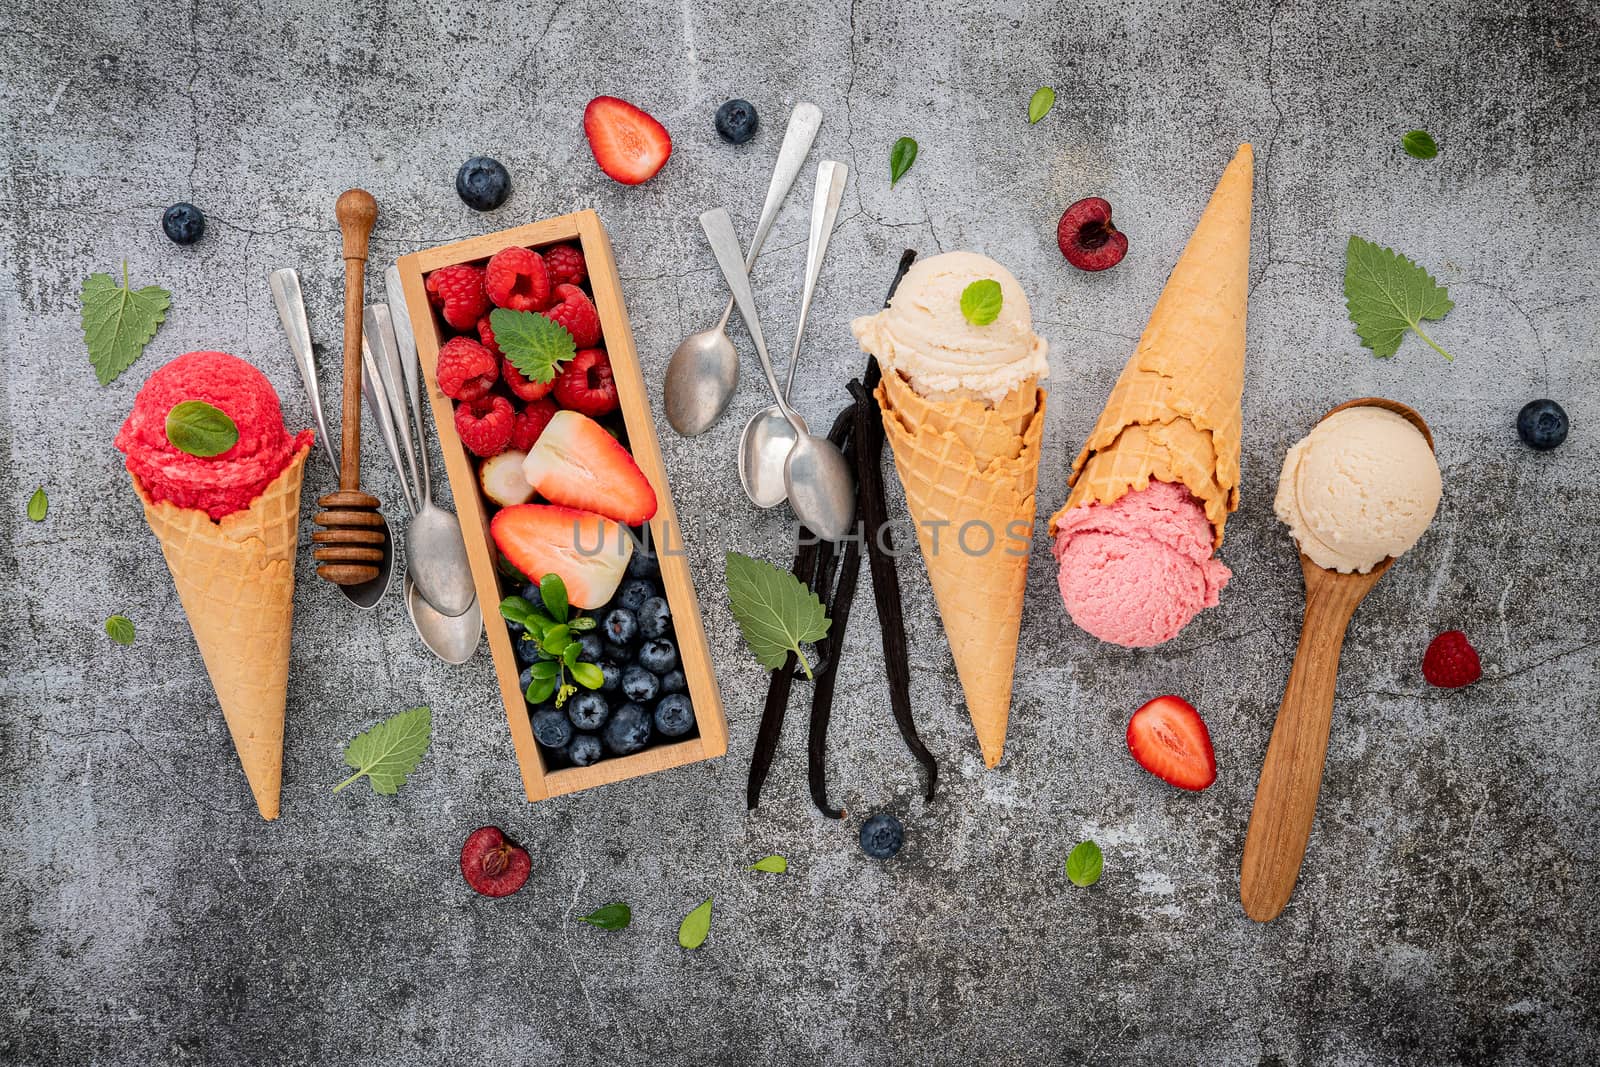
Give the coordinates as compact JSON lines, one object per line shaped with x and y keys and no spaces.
{"x":349,"y":546}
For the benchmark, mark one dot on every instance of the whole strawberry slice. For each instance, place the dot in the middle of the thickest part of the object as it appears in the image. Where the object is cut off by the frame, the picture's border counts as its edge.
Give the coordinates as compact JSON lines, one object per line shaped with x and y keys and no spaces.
{"x":589,"y":551}
{"x":458,"y":294}
{"x":576,"y":463}
{"x":629,"y":145}
{"x":585,"y":383}
{"x":1170,"y":740}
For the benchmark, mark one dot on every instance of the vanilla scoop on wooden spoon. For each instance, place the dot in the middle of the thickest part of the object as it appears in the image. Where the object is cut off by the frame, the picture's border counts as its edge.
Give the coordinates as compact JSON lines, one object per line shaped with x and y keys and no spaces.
{"x":1356,"y":493}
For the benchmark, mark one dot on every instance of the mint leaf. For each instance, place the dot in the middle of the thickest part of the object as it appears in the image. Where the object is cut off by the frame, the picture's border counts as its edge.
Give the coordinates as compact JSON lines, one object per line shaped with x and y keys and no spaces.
{"x":535,"y":345}
{"x":120,"y":629}
{"x":611,"y":917}
{"x":38,"y":505}
{"x":390,"y":750}
{"x":980,"y":302}
{"x":553,"y":591}
{"x":900,"y":159}
{"x":774,"y":610}
{"x":695,"y":926}
{"x":118,"y":321}
{"x":1085,"y":863}
{"x":1387,"y":294}
{"x":1420,"y":144}
{"x":771,"y":865}
{"x":1044,"y":98}
{"x":195,"y":427}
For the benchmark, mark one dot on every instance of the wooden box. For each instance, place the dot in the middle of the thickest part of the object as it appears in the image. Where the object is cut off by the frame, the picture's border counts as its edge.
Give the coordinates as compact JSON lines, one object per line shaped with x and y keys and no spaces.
{"x":585,"y":229}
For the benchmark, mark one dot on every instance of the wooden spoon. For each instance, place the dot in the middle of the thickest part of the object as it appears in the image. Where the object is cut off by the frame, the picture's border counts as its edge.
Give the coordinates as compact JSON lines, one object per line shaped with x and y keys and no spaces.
{"x":1291,"y":777}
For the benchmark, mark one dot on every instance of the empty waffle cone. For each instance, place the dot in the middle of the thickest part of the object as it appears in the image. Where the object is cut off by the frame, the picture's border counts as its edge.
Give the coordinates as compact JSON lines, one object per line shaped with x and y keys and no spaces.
{"x":1174,"y":414}
{"x":978,"y":585}
{"x":235,"y":578}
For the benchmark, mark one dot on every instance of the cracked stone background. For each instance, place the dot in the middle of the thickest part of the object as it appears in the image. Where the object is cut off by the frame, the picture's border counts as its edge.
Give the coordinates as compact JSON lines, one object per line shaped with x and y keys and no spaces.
{"x":1447,"y":911}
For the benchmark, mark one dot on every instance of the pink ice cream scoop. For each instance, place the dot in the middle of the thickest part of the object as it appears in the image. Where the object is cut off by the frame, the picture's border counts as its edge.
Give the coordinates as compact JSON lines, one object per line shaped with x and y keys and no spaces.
{"x":1135,"y":572}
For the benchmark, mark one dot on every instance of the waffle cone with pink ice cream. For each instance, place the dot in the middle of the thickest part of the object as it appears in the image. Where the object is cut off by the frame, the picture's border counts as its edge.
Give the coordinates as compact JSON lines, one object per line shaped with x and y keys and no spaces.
{"x":1159,"y":475}
{"x":964,"y":414}
{"x":229,"y":530}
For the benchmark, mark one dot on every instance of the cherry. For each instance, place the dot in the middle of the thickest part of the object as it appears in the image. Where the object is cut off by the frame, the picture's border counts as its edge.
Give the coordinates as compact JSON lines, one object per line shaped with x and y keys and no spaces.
{"x":1088,"y":239}
{"x":493,"y":865}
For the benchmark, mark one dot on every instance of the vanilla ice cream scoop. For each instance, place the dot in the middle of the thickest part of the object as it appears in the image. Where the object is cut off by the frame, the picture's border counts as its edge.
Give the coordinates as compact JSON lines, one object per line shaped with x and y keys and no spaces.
{"x":924,"y":336}
{"x":1363,"y":485}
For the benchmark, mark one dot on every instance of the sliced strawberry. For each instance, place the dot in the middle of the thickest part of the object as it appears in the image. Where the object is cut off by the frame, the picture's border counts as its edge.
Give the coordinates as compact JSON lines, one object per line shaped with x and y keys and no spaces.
{"x":1170,"y":740}
{"x":589,"y":551}
{"x":576,"y":463}
{"x":502,"y":480}
{"x":629,"y":145}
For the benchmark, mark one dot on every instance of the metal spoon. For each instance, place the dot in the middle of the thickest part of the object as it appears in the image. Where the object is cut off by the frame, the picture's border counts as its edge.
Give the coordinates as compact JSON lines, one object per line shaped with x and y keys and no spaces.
{"x":290,"y":302}
{"x":436,"y":555}
{"x":821,"y":487}
{"x":768,"y":437}
{"x":704,"y":370}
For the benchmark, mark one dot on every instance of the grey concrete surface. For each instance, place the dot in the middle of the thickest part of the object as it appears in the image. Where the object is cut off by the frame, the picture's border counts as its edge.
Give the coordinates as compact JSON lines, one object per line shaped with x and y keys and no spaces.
{"x":1448,"y":907}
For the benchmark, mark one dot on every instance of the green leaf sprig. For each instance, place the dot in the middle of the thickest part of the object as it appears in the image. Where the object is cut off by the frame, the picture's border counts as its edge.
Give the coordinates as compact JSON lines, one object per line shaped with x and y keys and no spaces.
{"x":195,"y":427}
{"x":695,"y":926}
{"x":552,"y":631}
{"x":120,"y":629}
{"x":901,"y":157}
{"x":1044,"y":98}
{"x":38,"y":505}
{"x":118,"y":321}
{"x":1085,"y":863}
{"x":1387,"y":294}
{"x":774,"y":609}
{"x":535,"y":345}
{"x":390,"y":751}
{"x":980,"y":302}
{"x":1419,"y":144}
{"x":611,"y":917}
{"x":771,"y":865}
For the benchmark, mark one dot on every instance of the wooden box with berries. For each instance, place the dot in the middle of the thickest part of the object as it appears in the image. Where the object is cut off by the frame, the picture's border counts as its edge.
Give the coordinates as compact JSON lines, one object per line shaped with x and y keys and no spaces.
{"x":557,"y":477}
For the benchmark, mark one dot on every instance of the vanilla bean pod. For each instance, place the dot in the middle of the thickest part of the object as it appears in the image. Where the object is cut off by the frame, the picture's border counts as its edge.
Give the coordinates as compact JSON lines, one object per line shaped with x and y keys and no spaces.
{"x":778,"y":687}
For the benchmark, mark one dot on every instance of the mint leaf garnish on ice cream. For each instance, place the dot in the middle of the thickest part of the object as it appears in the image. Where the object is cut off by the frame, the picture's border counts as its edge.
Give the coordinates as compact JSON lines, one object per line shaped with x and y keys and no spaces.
{"x":774,"y":610}
{"x":195,"y":427}
{"x":390,"y":751}
{"x":1387,"y":294}
{"x":118,"y":321}
{"x":981,"y":302}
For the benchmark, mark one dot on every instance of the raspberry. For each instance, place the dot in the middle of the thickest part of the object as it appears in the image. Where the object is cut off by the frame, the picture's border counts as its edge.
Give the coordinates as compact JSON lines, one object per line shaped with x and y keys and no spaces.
{"x":566,"y":266}
{"x":516,"y":278}
{"x":1451,"y":662}
{"x":486,"y":335}
{"x":458,"y":293}
{"x":584,"y":384}
{"x":531,"y":422}
{"x":466,"y":369}
{"x":485,"y":425}
{"x":521,"y":386}
{"x":577,"y":314}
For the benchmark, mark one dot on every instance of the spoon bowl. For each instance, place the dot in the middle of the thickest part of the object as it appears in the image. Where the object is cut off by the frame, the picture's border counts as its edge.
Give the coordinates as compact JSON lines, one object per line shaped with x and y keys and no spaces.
{"x":453,"y":638}
{"x":763,"y":453}
{"x":821,"y":486}
{"x":1291,"y":775}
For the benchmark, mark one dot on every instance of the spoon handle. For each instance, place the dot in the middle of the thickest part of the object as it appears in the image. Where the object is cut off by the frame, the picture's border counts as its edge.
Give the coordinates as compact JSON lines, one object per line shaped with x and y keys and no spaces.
{"x":831,"y":177}
{"x":406,"y":342}
{"x":378,"y":324}
{"x":1291,"y":776}
{"x":725,"y":246}
{"x":291,"y":305}
{"x":378,"y":400}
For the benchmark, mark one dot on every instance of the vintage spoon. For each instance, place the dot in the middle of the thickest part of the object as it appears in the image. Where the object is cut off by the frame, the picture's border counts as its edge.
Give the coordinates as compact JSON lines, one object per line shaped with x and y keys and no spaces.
{"x":768,"y":436}
{"x":453,"y":638}
{"x":704,"y":370}
{"x":820,"y":485}
{"x":1291,"y":776}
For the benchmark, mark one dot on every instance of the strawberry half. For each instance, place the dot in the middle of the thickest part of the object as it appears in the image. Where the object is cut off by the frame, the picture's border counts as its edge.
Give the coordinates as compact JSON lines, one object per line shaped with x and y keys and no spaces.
{"x":589,"y":551}
{"x":577,"y":464}
{"x":629,"y":145}
{"x":1170,"y":740}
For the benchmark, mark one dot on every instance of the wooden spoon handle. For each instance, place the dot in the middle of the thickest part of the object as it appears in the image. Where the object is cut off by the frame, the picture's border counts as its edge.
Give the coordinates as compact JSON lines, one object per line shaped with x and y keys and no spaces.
{"x":1286,"y":796}
{"x":357,"y":211}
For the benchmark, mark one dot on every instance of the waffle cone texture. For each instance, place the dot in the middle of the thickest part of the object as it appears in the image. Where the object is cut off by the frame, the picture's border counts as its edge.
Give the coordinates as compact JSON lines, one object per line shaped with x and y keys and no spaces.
{"x":965,"y":462}
{"x":1174,"y":414}
{"x":235,"y":578}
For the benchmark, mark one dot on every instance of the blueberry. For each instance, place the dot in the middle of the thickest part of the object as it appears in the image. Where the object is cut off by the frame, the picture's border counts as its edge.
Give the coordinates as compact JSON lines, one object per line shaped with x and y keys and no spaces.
{"x":736,"y":121}
{"x":674,"y":715}
{"x":621,"y":627}
{"x":655,"y":618}
{"x":658,"y":655}
{"x":639,"y":684}
{"x":551,"y":728}
{"x":482,"y":183}
{"x":588,"y":710}
{"x":530,"y":593}
{"x":643,"y":564}
{"x":525,"y":679}
{"x":635,"y":591}
{"x":527,"y":651}
{"x":611,"y":676}
{"x":583,"y":750}
{"x":515,"y":629}
{"x":881,"y":836}
{"x":593,"y":647}
{"x":628,"y":731}
{"x":674,"y":682}
{"x":1542,"y":424}
{"x":184,"y":223}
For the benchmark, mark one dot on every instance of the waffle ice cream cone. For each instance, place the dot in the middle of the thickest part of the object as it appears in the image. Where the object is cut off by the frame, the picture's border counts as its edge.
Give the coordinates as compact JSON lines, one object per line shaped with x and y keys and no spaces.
{"x":235,"y":578}
{"x":1174,"y":414}
{"x":961,"y":462}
